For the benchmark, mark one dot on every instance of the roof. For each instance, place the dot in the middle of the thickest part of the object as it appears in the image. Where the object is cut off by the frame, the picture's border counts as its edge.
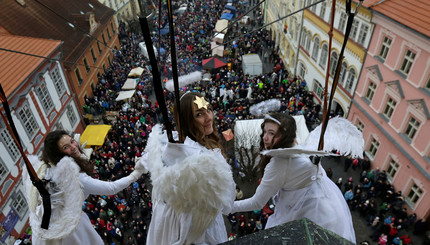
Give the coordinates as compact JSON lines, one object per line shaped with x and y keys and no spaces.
{"x":14,"y":67}
{"x":49,"y":19}
{"x":414,"y":14}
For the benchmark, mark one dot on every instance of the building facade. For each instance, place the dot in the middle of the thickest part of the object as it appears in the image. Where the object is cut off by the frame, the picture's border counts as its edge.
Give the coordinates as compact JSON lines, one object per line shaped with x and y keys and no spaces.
{"x":87,"y":28}
{"x":392,"y":99}
{"x":40,"y":101}
{"x":303,"y":45}
{"x":124,"y":9}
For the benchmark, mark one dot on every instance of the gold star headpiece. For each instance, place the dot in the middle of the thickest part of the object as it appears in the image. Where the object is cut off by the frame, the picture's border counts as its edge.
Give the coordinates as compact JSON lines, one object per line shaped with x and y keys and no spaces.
{"x":201,"y":102}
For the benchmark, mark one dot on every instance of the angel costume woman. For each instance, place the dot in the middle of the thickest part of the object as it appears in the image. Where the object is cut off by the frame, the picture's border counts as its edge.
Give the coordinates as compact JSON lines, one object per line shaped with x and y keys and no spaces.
{"x":298,"y":187}
{"x":192,"y":182}
{"x":67,"y":174}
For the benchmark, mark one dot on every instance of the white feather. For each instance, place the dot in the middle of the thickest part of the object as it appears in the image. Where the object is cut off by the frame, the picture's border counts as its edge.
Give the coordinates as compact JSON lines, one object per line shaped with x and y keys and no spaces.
{"x":265,"y":107}
{"x":184,"y":80}
{"x":294,"y":151}
{"x":340,"y":135}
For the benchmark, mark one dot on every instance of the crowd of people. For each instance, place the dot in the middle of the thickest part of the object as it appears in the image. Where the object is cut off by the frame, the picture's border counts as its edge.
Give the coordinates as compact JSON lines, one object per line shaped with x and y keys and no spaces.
{"x":380,"y":205}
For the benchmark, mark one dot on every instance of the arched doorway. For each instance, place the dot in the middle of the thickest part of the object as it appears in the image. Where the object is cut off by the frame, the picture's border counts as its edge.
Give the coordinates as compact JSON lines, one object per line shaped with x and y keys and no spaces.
{"x":337,"y":110}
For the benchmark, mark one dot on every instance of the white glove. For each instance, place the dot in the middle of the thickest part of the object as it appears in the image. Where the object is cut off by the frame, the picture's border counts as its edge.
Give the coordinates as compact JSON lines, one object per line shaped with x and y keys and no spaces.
{"x":139,"y":169}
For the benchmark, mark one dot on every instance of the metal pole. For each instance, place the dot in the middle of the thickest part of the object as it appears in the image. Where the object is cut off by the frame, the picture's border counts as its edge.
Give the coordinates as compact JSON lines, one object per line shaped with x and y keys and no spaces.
{"x":300,"y":39}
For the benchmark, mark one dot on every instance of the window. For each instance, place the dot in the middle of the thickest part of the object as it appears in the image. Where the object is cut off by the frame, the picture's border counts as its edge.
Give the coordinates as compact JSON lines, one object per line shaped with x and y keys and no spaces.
{"x":389,"y":107}
{"x":371,"y":91}
{"x":108,"y":33}
{"x":350,"y":80}
{"x":303,"y":40}
{"x":342,"y":73}
{"x":87,"y":66}
{"x":28,"y":120}
{"x":308,"y":41}
{"x":412,"y":128}
{"x":45,"y":98}
{"x":322,"y":11}
{"x":113,"y":28}
{"x":407,"y":62}
{"x":385,"y":47}
{"x":414,"y":194}
{"x":98,"y":47}
{"x":296,"y":35}
{"x":360,"y":126}
{"x":374,"y":145}
{"x":392,"y":168}
{"x":323,"y":57}
{"x":354,"y":29}
{"x":3,"y":172}
{"x":333,"y":63}
{"x":316,"y":48}
{"x":93,"y":55}
{"x":104,"y":39}
{"x":71,"y":115}
{"x":342,"y":22}
{"x":318,"y":89}
{"x":363,"y":34}
{"x":58,"y":82}
{"x":78,"y":76}
{"x":314,"y":7}
{"x":19,"y":204}
{"x":9,"y":144}
{"x":302,"y":70}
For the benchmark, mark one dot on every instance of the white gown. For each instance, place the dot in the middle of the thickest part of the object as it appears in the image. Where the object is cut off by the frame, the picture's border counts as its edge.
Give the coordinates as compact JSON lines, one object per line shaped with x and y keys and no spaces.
{"x":69,"y":225}
{"x":300,"y":189}
{"x":192,"y":188}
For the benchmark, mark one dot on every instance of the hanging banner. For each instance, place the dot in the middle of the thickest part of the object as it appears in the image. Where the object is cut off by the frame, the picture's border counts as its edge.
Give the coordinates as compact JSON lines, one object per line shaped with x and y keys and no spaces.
{"x":8,"y":224}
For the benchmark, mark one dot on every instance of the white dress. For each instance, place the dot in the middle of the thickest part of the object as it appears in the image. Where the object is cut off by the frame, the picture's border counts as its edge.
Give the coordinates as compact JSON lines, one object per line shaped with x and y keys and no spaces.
{"x":300,"y":189}
{"x":192,"y":188}
{"x":69,"y":225}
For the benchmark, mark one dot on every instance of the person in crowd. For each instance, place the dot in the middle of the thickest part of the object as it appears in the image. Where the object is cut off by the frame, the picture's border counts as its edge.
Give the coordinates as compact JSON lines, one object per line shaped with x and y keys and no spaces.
{"x":67,"y":173}
{"x":299,"y":188}
{"x":192,"y":182}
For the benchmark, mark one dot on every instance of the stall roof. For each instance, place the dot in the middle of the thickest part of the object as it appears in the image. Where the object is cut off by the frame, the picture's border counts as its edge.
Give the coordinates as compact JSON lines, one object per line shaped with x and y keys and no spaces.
{"x":136,"y":72}
{"x":130,"y":84}
{"x":123,"y":95}
{"x":95,"y":134}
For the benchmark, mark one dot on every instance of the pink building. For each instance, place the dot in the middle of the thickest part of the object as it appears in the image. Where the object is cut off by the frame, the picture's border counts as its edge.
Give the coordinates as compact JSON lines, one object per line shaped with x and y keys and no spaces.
{"x":392,"y":100}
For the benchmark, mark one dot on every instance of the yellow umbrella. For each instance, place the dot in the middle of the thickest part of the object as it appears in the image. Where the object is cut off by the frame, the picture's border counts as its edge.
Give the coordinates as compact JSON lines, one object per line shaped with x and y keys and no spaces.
{"x":95,"y":134}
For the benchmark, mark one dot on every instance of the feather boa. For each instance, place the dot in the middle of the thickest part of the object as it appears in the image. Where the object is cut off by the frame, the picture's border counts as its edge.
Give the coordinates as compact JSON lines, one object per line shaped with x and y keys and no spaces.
{"x":199,"y":184}
{"x":184,"y":80}
{"x":265,"y":107}
{"x":67,"y":198}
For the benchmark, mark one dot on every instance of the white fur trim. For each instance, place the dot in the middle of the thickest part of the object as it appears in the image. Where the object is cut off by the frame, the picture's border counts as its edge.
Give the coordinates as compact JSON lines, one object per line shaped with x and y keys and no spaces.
{"x":68,"y":194}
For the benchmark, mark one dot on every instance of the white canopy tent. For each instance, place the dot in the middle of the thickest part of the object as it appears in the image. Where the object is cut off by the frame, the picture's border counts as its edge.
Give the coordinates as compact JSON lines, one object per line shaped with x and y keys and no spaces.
{"x":123,"y":95}
{"x":136,"y":72}
{"x":218,"y":38}
{"x":221,"y":25}
{"x":217,"y":49}
{"x":252,"y":65}
{"x":129,"y":84}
